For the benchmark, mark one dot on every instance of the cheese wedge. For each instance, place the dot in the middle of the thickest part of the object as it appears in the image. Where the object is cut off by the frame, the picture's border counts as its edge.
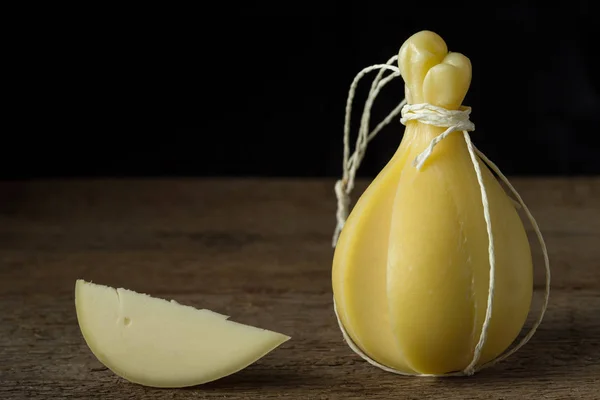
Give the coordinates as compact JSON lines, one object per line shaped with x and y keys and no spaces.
{"x":160,"y":343}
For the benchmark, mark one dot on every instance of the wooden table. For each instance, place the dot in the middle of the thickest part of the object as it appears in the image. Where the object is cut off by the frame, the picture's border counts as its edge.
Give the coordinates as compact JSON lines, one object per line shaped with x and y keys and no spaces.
{"x":260,"y":252}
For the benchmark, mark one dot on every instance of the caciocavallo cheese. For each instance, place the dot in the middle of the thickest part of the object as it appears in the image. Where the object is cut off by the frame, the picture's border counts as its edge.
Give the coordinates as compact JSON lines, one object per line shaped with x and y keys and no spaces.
{"x":411,"y":267}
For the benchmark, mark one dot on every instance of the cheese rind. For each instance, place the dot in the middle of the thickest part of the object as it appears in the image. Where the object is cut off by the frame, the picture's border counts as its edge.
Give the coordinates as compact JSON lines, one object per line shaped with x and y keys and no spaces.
{"x":359,"y":274}
{"x":160,"y":343}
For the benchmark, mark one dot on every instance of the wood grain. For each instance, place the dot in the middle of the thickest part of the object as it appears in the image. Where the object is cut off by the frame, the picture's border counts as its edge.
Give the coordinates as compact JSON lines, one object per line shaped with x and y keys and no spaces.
{"x":258,"y":250}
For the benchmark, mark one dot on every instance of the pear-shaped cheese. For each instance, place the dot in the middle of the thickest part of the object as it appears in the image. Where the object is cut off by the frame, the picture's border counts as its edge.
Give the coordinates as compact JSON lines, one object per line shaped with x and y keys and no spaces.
{"x":160,"y":343}
{"x":411,"y":266}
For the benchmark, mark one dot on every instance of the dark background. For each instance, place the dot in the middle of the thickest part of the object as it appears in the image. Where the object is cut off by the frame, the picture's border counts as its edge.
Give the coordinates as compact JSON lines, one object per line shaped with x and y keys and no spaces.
{"x":244,"y":92}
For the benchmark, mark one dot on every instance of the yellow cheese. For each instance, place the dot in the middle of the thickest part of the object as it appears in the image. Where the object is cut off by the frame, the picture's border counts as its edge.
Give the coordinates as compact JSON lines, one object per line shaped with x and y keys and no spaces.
{"x":410,"y":271}
{"x":155,"y":342}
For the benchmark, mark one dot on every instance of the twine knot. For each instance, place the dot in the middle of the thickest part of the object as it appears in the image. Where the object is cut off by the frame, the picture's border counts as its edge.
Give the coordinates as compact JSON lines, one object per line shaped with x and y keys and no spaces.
{"x":453,"y":120}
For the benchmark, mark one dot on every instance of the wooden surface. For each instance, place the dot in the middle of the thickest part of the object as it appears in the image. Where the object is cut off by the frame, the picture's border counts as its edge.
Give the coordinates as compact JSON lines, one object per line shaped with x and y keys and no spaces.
{"x":260,"y":252}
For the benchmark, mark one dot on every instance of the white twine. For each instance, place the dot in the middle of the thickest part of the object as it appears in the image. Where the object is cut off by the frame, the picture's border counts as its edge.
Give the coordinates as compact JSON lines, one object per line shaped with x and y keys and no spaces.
{"x":453,"y":120}
{"x":344,"y":186}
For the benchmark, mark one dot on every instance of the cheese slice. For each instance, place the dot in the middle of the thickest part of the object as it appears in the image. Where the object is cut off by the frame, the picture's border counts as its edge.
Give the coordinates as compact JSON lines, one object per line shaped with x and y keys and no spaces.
{"x":160,"y":343}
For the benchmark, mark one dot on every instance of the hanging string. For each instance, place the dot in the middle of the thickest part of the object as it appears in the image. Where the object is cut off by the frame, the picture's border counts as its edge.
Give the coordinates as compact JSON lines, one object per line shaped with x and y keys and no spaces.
{"x":344,"y":186}
{"x":453,"y":120}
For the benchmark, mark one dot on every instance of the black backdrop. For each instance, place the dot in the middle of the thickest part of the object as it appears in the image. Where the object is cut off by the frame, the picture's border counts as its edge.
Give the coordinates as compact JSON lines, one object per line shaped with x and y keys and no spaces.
{"x":249,"y":93}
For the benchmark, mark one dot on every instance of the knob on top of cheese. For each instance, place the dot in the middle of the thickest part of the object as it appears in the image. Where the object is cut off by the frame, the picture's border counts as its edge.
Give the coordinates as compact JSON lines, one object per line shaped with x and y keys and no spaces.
{"x":411,"y":268}
{"x":160,"y":343}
